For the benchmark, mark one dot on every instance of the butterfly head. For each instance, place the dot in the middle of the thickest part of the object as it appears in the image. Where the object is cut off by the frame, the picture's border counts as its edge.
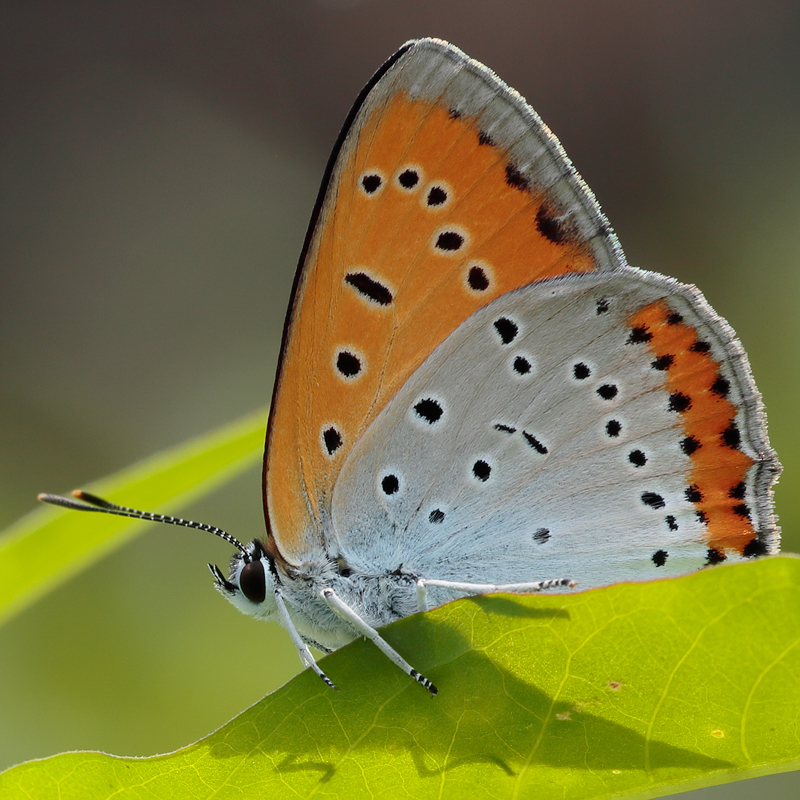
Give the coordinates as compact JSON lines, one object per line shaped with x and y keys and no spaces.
{"x":252,"y":578}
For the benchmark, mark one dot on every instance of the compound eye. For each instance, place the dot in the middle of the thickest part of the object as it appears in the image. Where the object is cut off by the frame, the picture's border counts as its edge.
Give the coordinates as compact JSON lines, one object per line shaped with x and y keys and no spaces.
{"x":253,"y":582}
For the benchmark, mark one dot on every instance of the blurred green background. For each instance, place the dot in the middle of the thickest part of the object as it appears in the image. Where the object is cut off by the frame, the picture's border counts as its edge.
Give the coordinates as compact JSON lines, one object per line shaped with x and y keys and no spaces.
{"x":158,"y":166}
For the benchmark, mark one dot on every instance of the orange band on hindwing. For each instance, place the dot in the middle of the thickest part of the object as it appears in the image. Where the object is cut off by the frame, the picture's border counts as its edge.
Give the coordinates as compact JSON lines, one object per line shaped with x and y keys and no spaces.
{"x":699,"y":392}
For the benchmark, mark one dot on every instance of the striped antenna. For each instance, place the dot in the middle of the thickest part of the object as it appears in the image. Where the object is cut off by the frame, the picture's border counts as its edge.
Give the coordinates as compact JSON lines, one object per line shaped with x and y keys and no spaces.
{"x":84,"y":501}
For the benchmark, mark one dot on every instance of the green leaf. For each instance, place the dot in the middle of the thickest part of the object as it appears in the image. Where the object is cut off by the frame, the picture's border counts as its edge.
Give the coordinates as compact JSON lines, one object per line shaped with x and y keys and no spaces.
{"x":164,"y":482}
{"x":633,"y":690}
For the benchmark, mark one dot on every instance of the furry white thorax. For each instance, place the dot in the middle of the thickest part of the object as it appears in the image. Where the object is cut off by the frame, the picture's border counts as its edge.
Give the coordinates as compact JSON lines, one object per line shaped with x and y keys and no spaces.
{"x":377,"y":599}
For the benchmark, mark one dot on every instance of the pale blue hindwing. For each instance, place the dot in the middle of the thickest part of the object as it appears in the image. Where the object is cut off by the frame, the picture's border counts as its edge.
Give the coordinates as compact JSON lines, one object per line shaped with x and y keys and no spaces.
{"x":562,"y":497}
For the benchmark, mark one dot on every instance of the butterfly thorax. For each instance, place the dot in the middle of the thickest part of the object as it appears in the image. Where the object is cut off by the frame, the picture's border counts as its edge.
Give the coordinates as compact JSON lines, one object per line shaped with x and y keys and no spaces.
{"x":378,"y":598}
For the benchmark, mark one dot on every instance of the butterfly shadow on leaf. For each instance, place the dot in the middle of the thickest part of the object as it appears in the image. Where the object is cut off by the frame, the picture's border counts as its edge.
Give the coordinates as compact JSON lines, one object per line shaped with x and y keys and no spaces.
{"x":488,"y":665}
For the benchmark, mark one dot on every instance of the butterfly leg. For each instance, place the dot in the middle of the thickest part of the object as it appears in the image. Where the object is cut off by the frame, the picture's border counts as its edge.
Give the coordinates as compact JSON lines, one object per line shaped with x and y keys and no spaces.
{"x":345,"y":612}
{"x":302,"y":647}
{"x":488,"y":588}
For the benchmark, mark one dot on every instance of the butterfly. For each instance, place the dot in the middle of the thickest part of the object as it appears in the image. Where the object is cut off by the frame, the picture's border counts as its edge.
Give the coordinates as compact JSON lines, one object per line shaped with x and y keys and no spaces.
{"x":475,"y":392}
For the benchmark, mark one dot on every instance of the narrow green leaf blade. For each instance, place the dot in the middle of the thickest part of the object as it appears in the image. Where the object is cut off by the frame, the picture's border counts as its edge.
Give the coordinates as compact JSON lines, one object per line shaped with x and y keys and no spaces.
{"x":72,"y":540}
{"x":635,"y":690}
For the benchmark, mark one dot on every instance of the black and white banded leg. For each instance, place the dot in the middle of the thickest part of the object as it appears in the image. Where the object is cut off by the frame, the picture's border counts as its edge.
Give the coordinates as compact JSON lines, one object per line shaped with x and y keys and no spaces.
{"x":488,"y":588}
{"x":302,"y":648}
{"x":345,"y":612}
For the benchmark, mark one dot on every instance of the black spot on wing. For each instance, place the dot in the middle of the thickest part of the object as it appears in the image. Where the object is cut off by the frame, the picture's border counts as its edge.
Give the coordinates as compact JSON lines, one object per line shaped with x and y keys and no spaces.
{"x":653,"y":500}
{"x":332,"y":439}
{"x":738,"y":491}
{"x":369,"y":288}
{"x":371,"y":183}
{"x":690,"y":445}
{"x":477,"y":279}
{"x":581,"y":371}
{"x":637,"y":458}
{"x":390,"y":484}
{"x":541,"y":535}
{"x":742,"y":510}
{"x":481,"y":470}
{"x":436,"y":196}
{"x":663,"y":362}
{"x":521,"y":365}
{"x":660,"y":557}
{"x":731,"y":436}
{"x":639,"y":335}
{"x":755,"y":547}
{"x":535,"y":443}
{"x":408,"y":178}
{"x":429,"y":410}
{"x":613,"y":428}
{"x":552,"y":227}
{"x":348,"y":364}
{"x":507,"y":329}
{"x":515,"y":178}
{"x":721,"y":386}
{"x":608,"y":391}
{"x":679,"y":402}
{"x":693,"y":494}
{"x":449,"y":241}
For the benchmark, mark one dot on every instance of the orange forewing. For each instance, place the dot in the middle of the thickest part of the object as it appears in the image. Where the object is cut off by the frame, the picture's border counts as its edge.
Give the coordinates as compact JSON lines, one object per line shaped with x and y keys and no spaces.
{"x":391,"y":236}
